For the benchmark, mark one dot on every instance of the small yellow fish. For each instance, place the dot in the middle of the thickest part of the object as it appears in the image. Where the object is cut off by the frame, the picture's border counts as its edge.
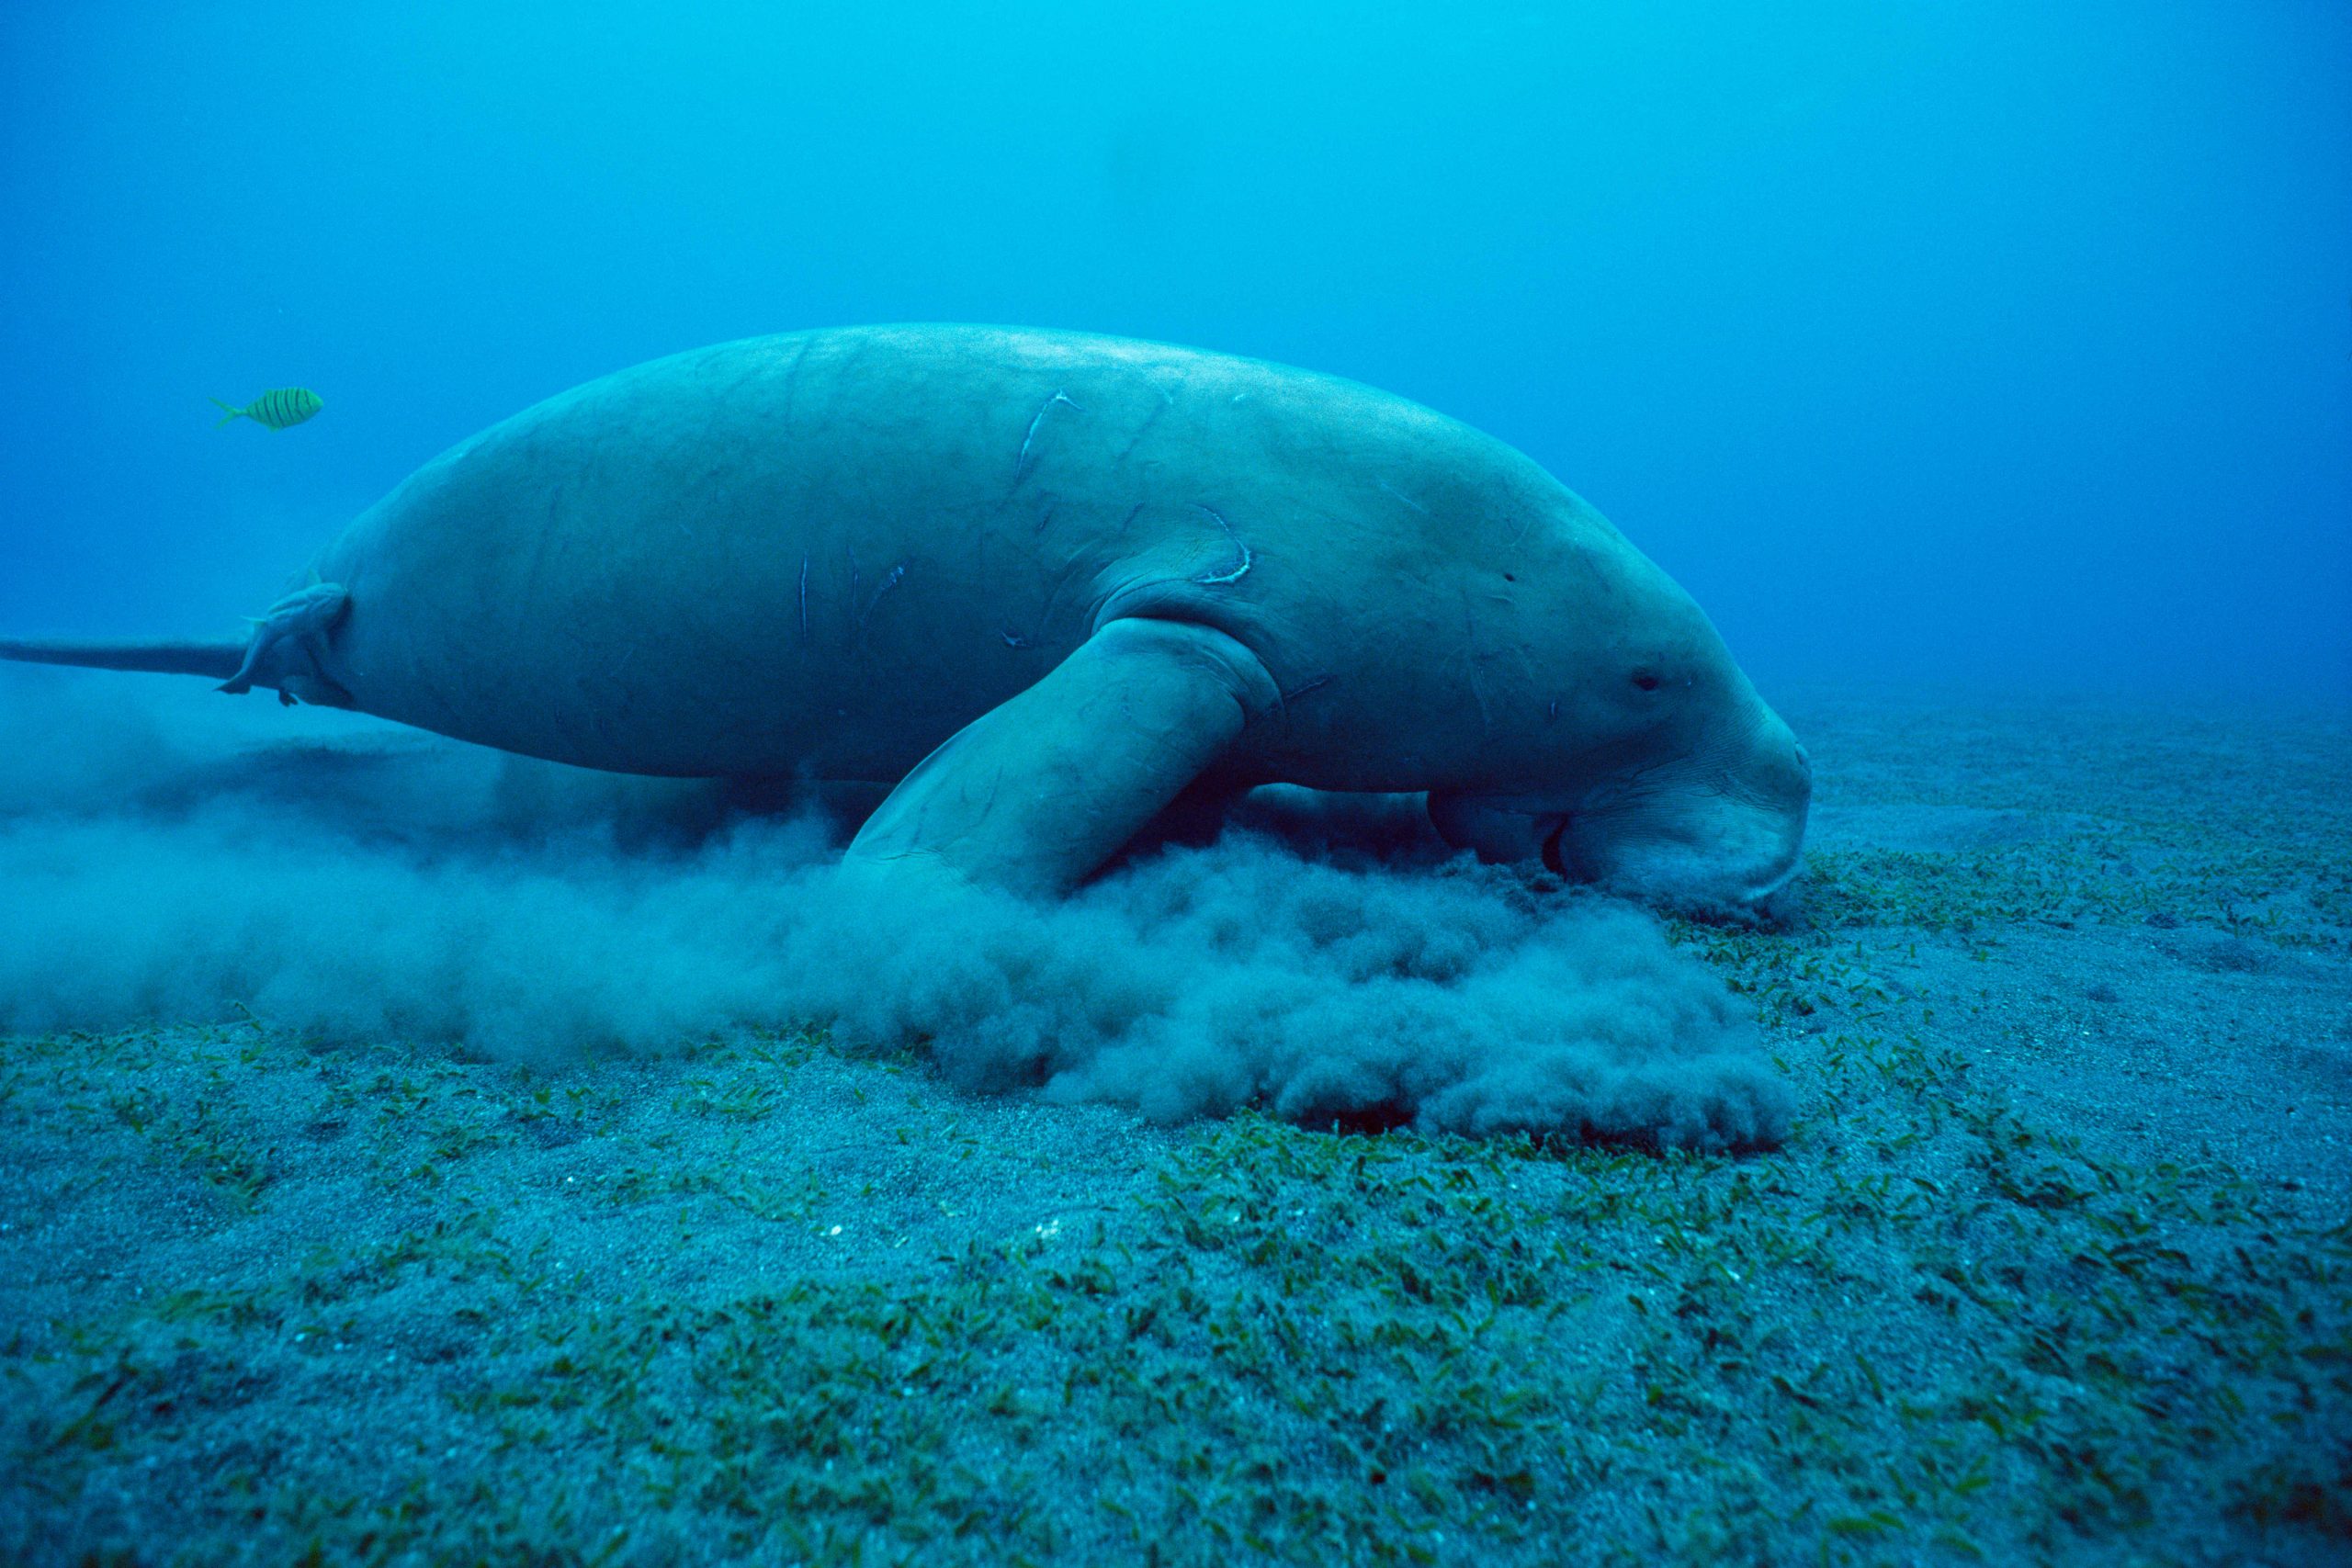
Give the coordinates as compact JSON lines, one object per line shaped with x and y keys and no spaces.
{"x":287,"y":405}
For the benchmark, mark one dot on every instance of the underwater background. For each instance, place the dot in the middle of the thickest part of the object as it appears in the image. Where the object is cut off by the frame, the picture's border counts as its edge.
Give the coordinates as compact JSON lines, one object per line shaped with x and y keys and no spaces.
{"x":1983,"y":345}
{"x":412,"y":1154}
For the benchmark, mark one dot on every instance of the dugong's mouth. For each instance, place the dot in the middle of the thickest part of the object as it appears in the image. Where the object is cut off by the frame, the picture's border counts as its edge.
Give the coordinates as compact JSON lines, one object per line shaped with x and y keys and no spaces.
{"x":1707,"y":850}
{"x":1711,"y":850}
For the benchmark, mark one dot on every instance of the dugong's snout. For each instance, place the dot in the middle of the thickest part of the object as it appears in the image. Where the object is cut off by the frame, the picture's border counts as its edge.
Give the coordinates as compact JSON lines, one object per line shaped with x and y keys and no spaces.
{"x":1723,"y":826}
{"x":1713,"y":828}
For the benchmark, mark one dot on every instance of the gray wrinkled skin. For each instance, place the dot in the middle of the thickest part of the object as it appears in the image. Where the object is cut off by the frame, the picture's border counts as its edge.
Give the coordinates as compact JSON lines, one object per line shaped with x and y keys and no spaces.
{"x":1048,"y":581}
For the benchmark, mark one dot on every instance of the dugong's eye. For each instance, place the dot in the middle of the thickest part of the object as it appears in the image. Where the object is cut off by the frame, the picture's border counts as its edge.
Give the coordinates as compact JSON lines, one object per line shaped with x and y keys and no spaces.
{"x":1647,"y":680}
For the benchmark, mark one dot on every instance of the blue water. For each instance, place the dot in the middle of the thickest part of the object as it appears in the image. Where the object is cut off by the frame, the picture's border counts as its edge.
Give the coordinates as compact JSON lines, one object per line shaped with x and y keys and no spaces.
{"x":2001,"y":345}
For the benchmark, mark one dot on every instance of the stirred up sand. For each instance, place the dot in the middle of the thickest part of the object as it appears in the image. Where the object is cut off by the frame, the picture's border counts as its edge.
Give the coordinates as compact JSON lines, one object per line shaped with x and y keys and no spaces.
{"x":418,"y":1160}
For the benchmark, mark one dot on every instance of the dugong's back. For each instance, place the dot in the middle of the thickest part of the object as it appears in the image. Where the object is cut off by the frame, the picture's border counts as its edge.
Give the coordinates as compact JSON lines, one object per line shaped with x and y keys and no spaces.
{"x":826,"y":552}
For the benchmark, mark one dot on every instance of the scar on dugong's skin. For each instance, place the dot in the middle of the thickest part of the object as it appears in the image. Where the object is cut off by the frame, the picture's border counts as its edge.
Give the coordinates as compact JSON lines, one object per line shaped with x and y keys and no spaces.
{"x":1044,"y":582}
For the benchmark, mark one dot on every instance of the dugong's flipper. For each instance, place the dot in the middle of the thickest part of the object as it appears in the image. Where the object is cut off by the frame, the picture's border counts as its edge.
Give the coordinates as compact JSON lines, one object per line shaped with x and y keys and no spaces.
{"x":1037,"y":793}
{"x":302,"y":617}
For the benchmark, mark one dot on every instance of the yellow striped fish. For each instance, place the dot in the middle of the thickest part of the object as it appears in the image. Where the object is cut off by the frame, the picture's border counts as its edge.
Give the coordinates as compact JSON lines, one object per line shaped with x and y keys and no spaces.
{"x":278,"y":409}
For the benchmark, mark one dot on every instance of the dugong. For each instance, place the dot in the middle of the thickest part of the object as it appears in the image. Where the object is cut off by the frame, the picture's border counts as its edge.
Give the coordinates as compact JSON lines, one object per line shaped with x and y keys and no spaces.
{"x":1042,"y":582}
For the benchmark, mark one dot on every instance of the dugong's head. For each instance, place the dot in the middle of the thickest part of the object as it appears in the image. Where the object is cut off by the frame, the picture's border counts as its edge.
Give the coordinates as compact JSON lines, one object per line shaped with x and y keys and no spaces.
{"x":1660,"y":773}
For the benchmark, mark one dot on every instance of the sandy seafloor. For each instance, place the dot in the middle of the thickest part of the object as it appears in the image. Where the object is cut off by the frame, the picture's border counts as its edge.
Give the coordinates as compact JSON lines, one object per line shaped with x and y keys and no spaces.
{"x":2054,"y":1265}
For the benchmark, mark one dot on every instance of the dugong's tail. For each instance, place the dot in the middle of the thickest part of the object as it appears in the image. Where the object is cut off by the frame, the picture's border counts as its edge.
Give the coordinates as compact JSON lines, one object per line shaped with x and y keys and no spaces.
{"x":219,"y":657}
